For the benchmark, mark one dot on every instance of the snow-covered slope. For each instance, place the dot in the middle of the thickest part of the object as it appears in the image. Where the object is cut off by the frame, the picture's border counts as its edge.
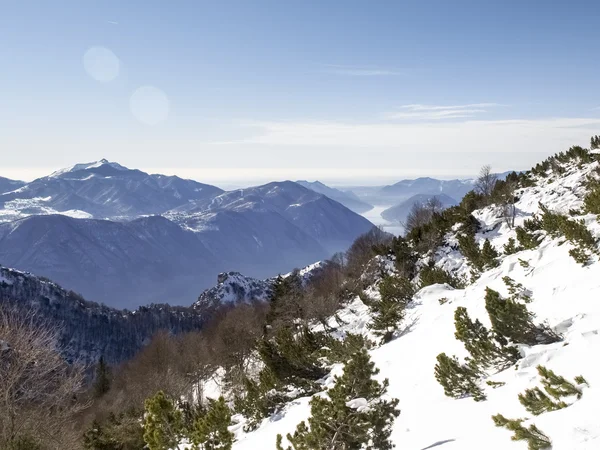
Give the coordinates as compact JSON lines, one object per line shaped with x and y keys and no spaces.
{"x":565,"y":295}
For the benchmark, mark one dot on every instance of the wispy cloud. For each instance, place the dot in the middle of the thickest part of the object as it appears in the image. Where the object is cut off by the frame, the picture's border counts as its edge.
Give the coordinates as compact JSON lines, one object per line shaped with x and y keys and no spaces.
{"x":439,"y":112}
{"x":479,"y":136}
{"x":112,"y":22}
{"x":359,"y":71}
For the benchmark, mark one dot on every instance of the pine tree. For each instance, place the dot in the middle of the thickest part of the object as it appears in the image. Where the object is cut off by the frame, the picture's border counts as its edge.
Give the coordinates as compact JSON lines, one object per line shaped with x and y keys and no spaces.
{"x":536,"y":440}
{"x":537,"y":402}
{"x":102,"y":382}
{"x":510,"y":247}
{"x":352,"y":416}
{"x":558,"y":386}
{"x":210,"y":431}
{"x":458,"y":380}
{"x":163,"y":423}
{"x":485,"y":350}
{"x":489,"y":255}
{"x":513,"y":321}
{"x":388,"y":312}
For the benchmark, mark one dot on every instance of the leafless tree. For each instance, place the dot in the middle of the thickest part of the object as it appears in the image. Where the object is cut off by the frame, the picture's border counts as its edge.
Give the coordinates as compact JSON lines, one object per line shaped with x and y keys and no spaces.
{"x":38,"y":389}
{"x":486,"y":181}
{"x":419,"y":215}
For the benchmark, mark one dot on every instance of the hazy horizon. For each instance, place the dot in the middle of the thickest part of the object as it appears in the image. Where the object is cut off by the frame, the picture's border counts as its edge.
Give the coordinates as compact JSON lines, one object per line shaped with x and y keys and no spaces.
{"x":243,"y":93}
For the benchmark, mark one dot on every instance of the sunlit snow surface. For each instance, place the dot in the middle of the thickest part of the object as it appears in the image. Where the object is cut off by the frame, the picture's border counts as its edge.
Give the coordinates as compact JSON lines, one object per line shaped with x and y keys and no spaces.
{"x":565,"y":294}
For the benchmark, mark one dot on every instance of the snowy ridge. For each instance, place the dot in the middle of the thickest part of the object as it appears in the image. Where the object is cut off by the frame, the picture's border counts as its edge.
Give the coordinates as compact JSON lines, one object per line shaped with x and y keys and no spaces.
{"x":565,"y":295}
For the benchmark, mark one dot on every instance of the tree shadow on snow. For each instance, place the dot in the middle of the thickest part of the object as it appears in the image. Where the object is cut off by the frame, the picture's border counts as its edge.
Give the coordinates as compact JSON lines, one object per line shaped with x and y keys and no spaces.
{"x":407,"y":328}
{"x":438,"y":443}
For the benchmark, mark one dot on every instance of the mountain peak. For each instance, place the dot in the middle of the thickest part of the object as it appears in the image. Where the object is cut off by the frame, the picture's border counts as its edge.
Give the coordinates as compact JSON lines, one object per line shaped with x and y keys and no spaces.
{"x":86,"y":166}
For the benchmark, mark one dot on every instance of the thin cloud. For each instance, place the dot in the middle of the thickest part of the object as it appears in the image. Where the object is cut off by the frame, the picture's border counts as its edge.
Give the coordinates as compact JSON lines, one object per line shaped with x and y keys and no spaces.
{"x":440,"y":112}
{"x":112,"y":22}
{"x":503,"y":136}
{"x":359,"y":71}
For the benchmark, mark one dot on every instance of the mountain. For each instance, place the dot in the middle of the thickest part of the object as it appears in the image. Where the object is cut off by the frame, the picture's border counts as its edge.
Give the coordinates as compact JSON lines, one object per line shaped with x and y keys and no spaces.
{"x":7,"y":185}
{"x":103,"y":189}
{"x":346,"y":198}
{"x":88,"y":330}
{"x":404,"y":189}
{"x":273,"y":213}
{"x":233,"y":287}
{"x":124,"y":264}
{"x":260,"y":231}
{"x":400,"y":212}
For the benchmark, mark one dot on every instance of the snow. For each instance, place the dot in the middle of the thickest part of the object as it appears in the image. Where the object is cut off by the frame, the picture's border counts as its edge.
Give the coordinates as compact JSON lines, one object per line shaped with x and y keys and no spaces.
{"x":85,"y":166}
{"x":564,"y":295}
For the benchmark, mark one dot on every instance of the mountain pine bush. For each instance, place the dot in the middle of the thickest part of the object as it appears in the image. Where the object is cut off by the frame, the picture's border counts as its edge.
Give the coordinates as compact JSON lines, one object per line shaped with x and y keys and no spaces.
{"x":535,"y":438}
{"x":210,"y":431}
{"x":352,"y":415}
{"x":395,"y":292}
{"x":163,"y":423}
{"x":458,"y":380}
{"x":485,"y":349}
{"x":511,"y":247}
{"x":512,"y":320}
{"x":436,"y":275}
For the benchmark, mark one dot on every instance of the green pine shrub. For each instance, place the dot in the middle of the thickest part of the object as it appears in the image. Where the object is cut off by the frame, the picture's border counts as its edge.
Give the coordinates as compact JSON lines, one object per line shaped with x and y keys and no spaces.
{"x":395,"y":292}
{"x":117,"y":432}
{"x":163,"y":423}
{"x":511,"y":247}
{"x":513,"y":321}
{"x":458,"y":380}
{"x":486,"y":350}
{"x":535,"y":438}
{"x":575,"y":231}
{"x":210,"y":431}
{"x":436,"y":275}
{"x":335,"y":424}
{"x":516,"y":291}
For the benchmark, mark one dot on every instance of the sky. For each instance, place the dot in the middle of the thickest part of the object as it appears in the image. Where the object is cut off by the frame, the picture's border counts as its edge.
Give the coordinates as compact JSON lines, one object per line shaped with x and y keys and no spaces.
{"x":348,"y":92}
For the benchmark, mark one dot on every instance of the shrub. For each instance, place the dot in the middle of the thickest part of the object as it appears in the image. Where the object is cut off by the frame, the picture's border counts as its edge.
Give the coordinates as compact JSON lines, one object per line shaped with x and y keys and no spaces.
{"x":513,"y":321}
{"x":574,"y":231}
{"x":489,"y":255}
{"x":536,"y":440}
{"x":163,"y":423}
{"x":352,"y":416}
{"x":458,"y":380}
{"x":510,"y":247}
{"x":210,"y":431}
{"x":436,"y":275}
{"x":486,"y":350}
{"x":396,"y":293}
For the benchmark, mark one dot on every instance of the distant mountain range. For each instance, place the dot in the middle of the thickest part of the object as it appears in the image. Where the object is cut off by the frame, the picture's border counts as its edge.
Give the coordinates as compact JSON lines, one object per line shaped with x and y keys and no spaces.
{"x":7,"y":185}
{"x":126,"y":238}
{"x":104,"y":190}
{"x":400,"y":212}
{"x":88,"y":330}
{"x":346,"y":198}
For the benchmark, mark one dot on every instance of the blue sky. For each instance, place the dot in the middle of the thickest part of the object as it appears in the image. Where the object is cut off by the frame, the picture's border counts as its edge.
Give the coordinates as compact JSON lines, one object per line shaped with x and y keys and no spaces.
{"x":346,"y":91}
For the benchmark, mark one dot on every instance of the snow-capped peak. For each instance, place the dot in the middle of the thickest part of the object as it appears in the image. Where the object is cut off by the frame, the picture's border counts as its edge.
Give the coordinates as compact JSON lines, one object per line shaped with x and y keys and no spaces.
{"x":87,"y":166}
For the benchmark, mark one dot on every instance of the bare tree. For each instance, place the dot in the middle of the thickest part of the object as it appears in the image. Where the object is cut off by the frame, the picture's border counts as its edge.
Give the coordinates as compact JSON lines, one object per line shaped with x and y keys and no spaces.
{"x":419,"y":215}
{"x":486,"y":181}
{"x":38,"y":388}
